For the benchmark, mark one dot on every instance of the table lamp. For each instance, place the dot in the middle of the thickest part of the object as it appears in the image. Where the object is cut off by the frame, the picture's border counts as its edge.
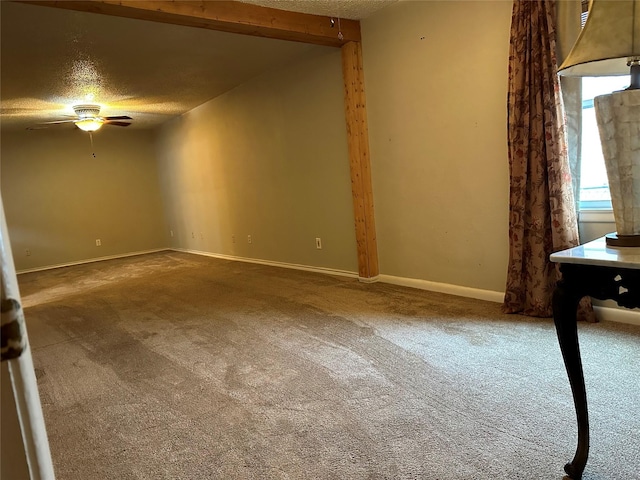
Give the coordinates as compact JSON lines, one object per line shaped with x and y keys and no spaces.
{"x":609,"y":44}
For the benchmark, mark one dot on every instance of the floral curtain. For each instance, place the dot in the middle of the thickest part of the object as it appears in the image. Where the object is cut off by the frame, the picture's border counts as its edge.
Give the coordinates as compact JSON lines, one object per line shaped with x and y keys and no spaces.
{"x":542,"y":214}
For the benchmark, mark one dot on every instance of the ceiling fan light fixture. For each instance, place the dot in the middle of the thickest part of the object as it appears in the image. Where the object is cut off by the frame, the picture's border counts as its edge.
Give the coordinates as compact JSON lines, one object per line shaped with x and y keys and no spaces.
{"x":85,"y":111}
{"x":89,"y":124}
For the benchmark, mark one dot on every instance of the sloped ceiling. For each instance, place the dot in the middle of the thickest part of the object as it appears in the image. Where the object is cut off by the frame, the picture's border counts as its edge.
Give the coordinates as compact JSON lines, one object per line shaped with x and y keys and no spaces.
{"x":52,"y":59}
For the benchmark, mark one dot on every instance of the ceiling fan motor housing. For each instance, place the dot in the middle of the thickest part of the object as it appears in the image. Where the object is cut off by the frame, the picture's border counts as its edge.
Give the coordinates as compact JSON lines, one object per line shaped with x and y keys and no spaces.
{"x":87,"y":111}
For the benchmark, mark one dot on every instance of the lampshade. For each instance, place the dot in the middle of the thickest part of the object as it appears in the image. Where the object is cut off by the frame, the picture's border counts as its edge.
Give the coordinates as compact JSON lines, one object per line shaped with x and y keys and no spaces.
{"x":89,"y":124}
{"x":609,"y":39}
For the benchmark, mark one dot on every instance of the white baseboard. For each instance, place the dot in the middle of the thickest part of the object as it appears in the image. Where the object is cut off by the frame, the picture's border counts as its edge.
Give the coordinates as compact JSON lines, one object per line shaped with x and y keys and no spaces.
{"x":490,"y":295}
{"x":90,"y":260}
{"x":603,"y":313}
{"x":271,"y":263}
{"x":620,"y":315}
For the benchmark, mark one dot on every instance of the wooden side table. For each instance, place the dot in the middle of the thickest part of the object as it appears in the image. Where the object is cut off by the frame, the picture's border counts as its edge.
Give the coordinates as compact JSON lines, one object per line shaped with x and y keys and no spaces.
{"x":598,"y":271}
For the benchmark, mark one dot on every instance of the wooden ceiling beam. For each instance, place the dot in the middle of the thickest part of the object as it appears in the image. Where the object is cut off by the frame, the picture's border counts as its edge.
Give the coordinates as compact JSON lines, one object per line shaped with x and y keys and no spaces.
{"x":225,"y":16}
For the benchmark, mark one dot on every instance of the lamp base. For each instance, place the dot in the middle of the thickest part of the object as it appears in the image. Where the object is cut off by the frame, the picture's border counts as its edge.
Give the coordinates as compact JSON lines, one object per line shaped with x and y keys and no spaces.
{"x":615,"y":240}
{"x":618,"y":125}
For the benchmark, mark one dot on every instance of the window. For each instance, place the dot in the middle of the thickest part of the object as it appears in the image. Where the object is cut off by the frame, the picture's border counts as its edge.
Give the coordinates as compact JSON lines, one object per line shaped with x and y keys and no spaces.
{"x":594,"y":184}
{"x":594,"y":187}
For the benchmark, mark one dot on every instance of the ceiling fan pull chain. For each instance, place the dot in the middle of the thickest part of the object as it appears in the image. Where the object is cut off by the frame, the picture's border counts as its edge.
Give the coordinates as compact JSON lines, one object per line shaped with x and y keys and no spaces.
{"x":92,"y":149}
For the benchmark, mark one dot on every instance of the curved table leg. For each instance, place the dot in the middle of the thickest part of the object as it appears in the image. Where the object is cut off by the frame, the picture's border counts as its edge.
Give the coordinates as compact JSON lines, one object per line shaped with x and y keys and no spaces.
{"x":565,"y":306}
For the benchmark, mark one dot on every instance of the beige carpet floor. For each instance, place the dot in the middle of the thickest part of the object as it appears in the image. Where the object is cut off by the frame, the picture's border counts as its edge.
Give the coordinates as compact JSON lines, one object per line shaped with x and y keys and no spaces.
{"x":176,"y":366}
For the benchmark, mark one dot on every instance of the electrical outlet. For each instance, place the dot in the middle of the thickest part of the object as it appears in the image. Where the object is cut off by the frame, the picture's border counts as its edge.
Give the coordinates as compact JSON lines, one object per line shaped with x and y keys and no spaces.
{"x":28,"y":252}
{"x":248,"y":238}
{"x":233,"y":239}
{"x":318,"y":243}
{"x":98,"y":242}
{"x":193,"y":235}
{"x":171,"y":233}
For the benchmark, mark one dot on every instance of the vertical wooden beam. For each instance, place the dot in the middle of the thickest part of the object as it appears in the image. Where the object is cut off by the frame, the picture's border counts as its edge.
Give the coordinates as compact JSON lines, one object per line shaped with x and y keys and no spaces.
{"x":359,"y":160}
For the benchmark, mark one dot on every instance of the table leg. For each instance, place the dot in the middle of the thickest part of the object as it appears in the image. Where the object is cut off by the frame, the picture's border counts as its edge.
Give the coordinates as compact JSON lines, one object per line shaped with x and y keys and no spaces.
{"x":565,"y":306}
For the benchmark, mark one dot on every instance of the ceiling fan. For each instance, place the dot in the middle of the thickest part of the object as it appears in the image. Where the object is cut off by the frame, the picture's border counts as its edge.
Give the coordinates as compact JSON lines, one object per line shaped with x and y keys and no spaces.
{"x":88,"y":119}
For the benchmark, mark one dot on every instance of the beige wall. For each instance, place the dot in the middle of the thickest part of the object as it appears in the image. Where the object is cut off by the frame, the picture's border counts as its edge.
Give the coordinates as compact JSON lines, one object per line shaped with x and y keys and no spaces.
{"x":267,"y":159}
{"x":59,"y":199}
{"x":436,"y":84}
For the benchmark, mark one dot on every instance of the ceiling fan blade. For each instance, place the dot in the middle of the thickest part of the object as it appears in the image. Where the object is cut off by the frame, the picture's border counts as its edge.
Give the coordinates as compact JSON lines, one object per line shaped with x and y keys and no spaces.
{"x":57,"y":121}
{"x":117,"y":124}
{"x":41,"y":126}
{"x":118,"y":117}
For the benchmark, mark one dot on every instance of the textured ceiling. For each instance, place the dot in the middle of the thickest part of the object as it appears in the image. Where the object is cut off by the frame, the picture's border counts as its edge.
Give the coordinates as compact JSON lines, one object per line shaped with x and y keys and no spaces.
{"x":353,"y":9}
{"x":52,"y":59}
